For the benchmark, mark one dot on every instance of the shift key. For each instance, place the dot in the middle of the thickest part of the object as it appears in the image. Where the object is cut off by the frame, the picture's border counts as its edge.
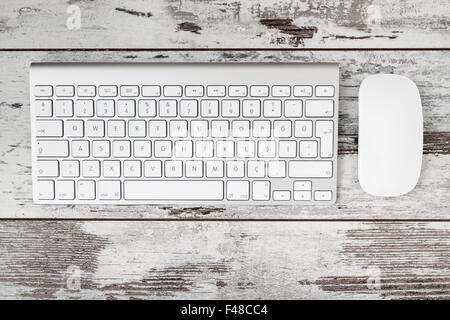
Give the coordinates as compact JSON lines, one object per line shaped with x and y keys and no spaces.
{"x":52,"y":148}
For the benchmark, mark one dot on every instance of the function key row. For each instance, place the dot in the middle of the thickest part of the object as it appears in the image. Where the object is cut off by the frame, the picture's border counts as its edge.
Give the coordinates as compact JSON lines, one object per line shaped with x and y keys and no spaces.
{"x":189,"y":91}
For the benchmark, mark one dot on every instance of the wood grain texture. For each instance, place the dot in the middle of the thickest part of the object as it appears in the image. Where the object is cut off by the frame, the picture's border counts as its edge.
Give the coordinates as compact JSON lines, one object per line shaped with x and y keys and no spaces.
{"x":227,"y":24}
{"x":223,"y":260}
{"x":430,"y":199}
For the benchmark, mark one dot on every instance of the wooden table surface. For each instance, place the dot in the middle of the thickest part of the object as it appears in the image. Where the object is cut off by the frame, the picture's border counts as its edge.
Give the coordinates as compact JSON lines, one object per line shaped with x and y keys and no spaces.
{"x":362,"y":247}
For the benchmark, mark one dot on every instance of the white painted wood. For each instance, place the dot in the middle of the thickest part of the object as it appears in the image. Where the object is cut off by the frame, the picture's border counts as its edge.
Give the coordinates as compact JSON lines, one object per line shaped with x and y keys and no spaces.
{"x":429,"y":200}
{"x":226,"y":24}
{"x":224,"y":260}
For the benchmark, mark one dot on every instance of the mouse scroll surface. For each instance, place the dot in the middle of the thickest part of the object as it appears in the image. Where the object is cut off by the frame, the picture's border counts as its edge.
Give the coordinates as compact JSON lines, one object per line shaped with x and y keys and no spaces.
{"x":390,"y":135}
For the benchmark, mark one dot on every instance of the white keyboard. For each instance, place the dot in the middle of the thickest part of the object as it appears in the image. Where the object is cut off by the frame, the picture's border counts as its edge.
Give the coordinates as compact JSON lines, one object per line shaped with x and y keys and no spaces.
{"x":184,"y":133}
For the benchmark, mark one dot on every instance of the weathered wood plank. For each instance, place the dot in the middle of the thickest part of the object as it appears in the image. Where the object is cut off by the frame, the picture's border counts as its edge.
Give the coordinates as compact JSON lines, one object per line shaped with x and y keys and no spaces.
{"x":226,"y":24}
{"x":429,"y":200}
{"x":223,"y":260}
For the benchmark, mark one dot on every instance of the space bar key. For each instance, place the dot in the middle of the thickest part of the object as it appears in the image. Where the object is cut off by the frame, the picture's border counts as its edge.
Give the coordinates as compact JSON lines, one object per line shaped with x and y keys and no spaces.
{"x":177,"y":190}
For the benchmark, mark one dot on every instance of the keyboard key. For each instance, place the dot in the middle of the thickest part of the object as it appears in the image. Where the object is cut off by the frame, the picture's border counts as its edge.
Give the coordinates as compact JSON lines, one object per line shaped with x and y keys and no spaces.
{"x":302,"y":185}
{"x":310,"y":169}
{"x":86,"y":91}
{"x":324,"y":91}
{"x":282,"y":129}
{"x":246,"y":149}
{"x":95,"y":128}
{"x":43,"y":108}
{"x":287,"y":149}
{"x":276,"y":169}
{"x":116,"y":128}
{"x":84,"y":108}
{"x":52,"y":148}
{"x":80,"y":149}
{"x":64,"y":108}
{"x":256,"y":169}
{"x":259,"y":91}
{"x":209,"y":108}
{"x":308,"y":149}
{"x":65,"y":189}
{"x":235,"y":169}
{"x":47,"y":168}
{"x":323,"y":195}
{"x":199,"y":128}
{"x":178,"y":129}
{"x":293,"y":108}
{"x":49,"y":128}
{"x":46,"y":189}
{"x":238,"y":190}
{"x":194,"y":169}
{"x":281,"y":91}
{"x":240,"y":129}
{"x":237,"y":91}
{"x":43,"y":91}
{"x":132,"y":169}
{"x":70,"y":168}
{"x":147,"y":108}
{"x":204,"y":149}
{"x":189,"y":108}
{"x":319,"y":108}
{"x":157,"y":128}
{"x":65,"y":91}
{"x":183,"y":149}
{"x":225,"y":149}
{"x":230,"y":108}
{"x":302,"y":195}
{"x":282,"y":195}
{"x":173,"y":190}
{"x":163,"y":148}
{"x":266,"y":149}
{"x":216,"y":91}
{"x":261,"y":128}
{"x":137,"y":128}
{"x":153,"y":169}
{"x":194,"y":91}
{"x":303,"y":91}
{"x":214,"y":169}
{"x":251,"y":108}
{"x":111,"y":169}
{"x":126,"y":108}
{"x":219,"y":129}
{"x":151,"y":91}
{"x":107,"y":91}
{"x":261,"y":190}
{"x":303,"y":129}
{"x":74,"y":128}
{"x":167,"y":108}
{"x":173,"y":91}
{"x":86,"y":189}
{"x":109,"y":189}
{"x":142,"y":148}
{"x":324,"y":131}
{"x":121,"y":148}
{"x":272,"y":108}
{"x":129,"y":91}
{"x":91,"y":168}
{"x":101,"y":148}
{"x":173,"y":169}
{"x":105,"y":108}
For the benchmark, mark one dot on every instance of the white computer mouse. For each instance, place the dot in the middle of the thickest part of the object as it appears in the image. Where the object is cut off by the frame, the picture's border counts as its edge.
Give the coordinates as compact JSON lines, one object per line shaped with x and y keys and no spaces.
{"x":390,"y":135}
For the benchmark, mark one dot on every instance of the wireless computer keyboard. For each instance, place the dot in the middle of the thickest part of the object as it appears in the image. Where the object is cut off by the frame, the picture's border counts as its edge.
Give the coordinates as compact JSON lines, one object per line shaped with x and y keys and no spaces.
{"x":184,"y":133}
